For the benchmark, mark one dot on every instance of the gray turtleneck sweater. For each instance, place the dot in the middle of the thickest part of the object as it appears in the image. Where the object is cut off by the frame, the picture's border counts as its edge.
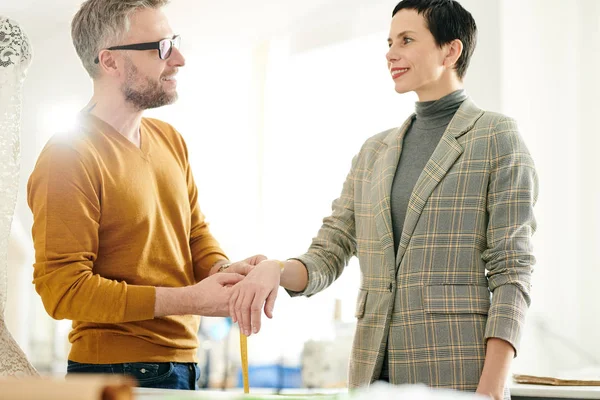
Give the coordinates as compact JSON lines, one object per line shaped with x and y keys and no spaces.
{"x":428,"y":126}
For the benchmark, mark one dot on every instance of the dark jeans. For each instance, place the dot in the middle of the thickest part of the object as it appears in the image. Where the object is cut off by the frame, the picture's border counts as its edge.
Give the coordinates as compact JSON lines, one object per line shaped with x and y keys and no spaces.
{"x":167,"y":375}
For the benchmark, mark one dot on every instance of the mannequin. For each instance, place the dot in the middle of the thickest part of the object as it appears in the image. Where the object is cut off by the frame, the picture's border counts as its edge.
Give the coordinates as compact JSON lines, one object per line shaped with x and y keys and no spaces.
{"x":15,"y":57}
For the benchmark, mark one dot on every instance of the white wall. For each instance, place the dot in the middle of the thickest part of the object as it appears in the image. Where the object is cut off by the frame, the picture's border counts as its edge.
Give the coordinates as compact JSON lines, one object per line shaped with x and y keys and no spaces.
{"x":549,"y":85}
{"x":588,"y":85}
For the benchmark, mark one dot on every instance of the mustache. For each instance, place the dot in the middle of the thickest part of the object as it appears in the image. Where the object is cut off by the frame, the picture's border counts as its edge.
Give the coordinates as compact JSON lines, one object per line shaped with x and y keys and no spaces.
{"x":170,"y":73}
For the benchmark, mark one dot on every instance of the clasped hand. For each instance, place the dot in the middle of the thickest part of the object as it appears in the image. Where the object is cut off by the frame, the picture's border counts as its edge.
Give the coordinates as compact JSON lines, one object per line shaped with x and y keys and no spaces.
{"x":257,"y":291}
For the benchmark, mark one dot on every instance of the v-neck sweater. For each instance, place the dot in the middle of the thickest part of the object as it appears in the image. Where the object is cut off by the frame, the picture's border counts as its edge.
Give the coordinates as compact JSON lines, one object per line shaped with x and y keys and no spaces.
{"x":113,"y":221}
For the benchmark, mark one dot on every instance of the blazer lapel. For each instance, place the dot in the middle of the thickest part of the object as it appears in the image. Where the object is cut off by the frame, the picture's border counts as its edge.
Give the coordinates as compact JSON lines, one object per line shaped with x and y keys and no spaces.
{"x":444,"y":156}
{"x":384,"y":170}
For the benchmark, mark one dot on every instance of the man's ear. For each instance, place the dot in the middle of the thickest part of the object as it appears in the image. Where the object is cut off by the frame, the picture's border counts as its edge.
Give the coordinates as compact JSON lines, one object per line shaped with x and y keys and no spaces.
{"x":108,"y":63}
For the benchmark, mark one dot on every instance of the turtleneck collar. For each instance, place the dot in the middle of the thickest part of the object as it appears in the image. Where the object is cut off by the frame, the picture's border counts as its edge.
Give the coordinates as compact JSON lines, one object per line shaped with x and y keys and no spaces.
{"x":439,"y":112}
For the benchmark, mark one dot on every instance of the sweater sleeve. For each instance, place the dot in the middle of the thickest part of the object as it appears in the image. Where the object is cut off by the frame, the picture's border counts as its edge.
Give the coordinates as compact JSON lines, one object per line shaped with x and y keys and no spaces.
{"x":62,"y":193}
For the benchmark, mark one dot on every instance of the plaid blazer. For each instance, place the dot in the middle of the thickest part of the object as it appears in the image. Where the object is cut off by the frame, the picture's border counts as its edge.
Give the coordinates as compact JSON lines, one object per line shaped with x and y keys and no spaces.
{"x":471,"y":210}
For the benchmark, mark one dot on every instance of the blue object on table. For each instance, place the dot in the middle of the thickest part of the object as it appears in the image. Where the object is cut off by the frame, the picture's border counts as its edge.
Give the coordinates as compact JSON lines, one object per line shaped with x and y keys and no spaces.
{"x":273,"y":376}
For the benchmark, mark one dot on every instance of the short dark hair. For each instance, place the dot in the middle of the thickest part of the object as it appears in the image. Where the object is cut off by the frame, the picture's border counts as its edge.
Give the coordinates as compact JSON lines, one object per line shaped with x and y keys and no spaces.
{"x":447,"y":20}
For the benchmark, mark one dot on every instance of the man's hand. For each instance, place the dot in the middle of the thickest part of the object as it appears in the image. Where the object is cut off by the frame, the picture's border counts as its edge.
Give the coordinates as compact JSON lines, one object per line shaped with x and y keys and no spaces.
{"x":255,"y":260}
{"x":248,"y":297}
{"x":245,"y":266}
{"x":211,"y":295}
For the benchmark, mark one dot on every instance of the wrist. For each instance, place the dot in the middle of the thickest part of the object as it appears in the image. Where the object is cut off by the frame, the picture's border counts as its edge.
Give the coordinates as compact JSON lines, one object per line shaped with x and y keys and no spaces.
{"x":295,"y":276}
{"x":491,"y":386}
{"x":188,"y":300}
{"x":216,"y":267}
{"x":272,"y":263}
{"x":195,"y":302}
{"x":222,"y":267}
{"x":174,"y":301}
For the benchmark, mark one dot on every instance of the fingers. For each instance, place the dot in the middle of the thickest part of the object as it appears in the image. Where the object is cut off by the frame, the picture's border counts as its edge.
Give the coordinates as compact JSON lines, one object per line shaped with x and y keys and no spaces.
{"x":240,"y":267}
{"x":238,"y":310}
{"x":228,"y":279}
{"x":243,"y":316}
{"x":254,"y":260}
{"x":258,"y":290}
{"x":255,"y":310}
{"x":248,"y":268}
{"x":270,"y":303}
{"x":235,"y":292}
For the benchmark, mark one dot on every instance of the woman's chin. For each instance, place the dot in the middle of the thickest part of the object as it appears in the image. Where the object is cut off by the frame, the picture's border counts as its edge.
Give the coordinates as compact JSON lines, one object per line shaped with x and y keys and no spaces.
{"x":402,"y":89}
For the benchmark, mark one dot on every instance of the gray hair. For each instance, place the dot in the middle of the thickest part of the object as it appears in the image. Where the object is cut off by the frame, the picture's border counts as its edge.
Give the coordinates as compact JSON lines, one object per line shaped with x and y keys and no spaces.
{"x":103,"y":23}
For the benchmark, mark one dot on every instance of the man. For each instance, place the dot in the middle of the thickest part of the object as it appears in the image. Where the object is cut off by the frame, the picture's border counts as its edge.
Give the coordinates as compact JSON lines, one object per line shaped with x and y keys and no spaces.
{"x":122,"y":248}
{"x":427,"y":208}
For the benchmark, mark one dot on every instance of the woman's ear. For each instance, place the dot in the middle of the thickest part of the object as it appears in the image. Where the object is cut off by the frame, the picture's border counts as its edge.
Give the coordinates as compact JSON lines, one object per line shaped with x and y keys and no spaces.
{"x":454,"y":50}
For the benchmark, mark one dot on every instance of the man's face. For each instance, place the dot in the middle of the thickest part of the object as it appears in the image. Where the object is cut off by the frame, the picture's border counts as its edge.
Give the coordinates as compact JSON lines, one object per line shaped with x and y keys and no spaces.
{"x":148,"y":81}
{"x":414,"y":59}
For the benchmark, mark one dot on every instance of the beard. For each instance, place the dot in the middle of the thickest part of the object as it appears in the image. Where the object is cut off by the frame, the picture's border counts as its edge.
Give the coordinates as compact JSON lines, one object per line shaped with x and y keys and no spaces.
{"x":144,"y":93}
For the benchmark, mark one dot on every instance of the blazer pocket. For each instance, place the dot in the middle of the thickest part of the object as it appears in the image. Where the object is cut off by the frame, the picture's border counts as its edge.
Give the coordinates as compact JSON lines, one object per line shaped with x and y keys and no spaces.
{"x":456,"y":299}
{"x":361,"y":303}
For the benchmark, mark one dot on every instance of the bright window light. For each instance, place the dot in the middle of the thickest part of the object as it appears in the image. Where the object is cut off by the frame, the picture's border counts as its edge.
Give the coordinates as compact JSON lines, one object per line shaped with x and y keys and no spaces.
{"x":60,"y":118}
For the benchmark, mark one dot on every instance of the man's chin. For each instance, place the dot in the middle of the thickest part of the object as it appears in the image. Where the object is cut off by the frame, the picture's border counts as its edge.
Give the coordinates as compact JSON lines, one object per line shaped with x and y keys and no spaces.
{"x":148,"y":99}
{"x":174,"y":97}
{"x":170,"y":97}
{"x":166,"y":101}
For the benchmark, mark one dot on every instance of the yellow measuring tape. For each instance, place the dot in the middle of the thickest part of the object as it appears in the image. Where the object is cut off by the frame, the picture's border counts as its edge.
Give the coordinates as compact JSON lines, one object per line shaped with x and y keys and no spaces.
{"x":244,"y":352}
{"x":244,"y":348}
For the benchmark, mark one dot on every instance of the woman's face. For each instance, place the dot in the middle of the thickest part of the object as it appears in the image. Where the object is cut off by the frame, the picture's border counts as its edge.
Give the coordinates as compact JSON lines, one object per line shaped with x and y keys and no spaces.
{"x":416,"y":63}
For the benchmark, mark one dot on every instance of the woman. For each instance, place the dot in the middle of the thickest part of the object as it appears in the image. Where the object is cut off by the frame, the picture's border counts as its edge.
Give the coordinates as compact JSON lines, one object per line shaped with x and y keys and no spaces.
{"x":427,"y":208}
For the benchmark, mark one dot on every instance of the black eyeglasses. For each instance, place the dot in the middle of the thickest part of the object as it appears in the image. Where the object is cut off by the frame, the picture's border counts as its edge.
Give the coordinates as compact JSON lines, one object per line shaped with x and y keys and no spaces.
{"x":164,"y":47}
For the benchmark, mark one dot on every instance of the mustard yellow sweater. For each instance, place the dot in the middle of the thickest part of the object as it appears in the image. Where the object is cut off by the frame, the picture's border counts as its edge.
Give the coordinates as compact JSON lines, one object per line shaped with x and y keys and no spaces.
{"x":111,"y":222}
